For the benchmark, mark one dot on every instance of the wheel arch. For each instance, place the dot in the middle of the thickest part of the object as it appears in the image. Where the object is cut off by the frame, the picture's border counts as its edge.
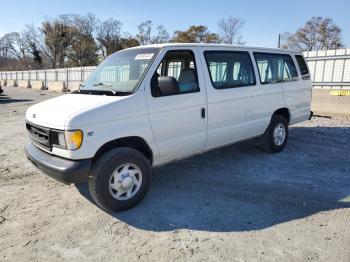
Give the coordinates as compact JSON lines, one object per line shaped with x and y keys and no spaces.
{"x":135,"y":142}
{"x":284,"y":111}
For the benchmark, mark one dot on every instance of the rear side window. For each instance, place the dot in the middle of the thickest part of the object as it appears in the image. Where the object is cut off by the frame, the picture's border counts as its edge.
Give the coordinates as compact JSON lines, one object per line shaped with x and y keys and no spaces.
{"x":230,"y":69}
{"x":275,"y":68}
{"x":303,"y":67}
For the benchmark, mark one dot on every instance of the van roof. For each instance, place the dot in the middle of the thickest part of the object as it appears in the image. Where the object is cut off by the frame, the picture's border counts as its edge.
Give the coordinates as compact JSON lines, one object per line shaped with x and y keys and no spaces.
{"x":262,"y":49}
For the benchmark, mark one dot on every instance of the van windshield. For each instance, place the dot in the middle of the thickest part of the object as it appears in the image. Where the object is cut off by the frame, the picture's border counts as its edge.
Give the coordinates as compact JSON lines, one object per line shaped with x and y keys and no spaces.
{"x":120,"y":72}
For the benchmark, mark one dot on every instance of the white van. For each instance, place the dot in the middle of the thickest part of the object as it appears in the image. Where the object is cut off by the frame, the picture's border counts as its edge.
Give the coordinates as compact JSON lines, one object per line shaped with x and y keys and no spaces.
{"x":149,"y":105}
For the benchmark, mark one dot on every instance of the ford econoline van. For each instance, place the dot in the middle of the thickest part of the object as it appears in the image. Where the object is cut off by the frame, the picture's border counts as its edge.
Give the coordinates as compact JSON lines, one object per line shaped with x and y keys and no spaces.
{"x":150,"y":105}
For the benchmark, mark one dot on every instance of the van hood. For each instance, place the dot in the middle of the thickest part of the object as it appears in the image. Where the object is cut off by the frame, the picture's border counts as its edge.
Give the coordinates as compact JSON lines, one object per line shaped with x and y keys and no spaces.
{"x":55,"y":112}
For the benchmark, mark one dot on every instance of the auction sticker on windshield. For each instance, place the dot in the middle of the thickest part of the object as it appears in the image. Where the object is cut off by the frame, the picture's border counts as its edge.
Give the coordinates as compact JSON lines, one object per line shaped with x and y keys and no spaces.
{"x":144,"y":56}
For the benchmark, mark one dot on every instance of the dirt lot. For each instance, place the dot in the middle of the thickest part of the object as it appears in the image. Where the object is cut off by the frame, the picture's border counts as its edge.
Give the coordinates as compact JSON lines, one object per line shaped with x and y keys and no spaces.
{"x":236,"y":203}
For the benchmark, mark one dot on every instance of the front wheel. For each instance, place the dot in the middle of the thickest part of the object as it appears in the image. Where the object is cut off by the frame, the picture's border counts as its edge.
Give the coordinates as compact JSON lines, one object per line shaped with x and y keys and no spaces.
{"x":120,"y":179}
{"x":275,"y":137}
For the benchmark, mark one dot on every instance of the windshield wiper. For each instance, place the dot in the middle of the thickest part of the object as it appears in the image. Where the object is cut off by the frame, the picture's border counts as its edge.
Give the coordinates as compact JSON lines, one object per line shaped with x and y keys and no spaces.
{"x":102,"y":92}
{"x":103,"y":84}
{"x":120,"y":93}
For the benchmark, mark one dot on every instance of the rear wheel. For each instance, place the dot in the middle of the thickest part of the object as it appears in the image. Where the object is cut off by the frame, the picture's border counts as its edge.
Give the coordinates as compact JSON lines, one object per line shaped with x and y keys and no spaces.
{"x":120,"y":179}
{"x":275,"y":137}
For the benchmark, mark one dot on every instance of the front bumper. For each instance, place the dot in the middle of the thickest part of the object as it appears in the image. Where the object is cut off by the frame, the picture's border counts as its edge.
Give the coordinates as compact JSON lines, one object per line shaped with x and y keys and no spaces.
{"x":64,"y":170}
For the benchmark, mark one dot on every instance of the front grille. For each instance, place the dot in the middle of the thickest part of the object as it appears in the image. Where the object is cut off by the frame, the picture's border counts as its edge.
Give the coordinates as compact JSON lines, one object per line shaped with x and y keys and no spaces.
{"x":41,"y":136}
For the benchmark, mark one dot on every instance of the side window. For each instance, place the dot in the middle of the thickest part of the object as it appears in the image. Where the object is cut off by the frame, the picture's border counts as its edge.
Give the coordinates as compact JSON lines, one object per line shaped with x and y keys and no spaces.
{"x":275,"y":68}
{"x":303,"y":67}
{"x":177,"y":70}
{"x":229,"y":69}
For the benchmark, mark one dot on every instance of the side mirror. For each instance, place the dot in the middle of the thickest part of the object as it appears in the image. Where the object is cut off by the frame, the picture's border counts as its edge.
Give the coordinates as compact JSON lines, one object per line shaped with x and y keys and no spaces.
{"x":168,"y":86}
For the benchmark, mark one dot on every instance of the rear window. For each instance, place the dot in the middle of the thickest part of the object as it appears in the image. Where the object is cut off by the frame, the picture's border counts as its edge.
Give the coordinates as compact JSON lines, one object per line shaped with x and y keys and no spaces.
{"x":275,"y":68}
{"x":303,"y":67}
{"x":230,"y":69}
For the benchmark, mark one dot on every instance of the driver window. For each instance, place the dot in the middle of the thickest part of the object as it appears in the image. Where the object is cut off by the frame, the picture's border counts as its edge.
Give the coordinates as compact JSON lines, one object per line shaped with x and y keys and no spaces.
{"x":179,"y":68}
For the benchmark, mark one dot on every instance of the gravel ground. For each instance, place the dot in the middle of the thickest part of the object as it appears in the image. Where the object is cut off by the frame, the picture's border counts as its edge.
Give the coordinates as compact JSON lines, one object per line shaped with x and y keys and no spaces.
{"x":236,"y":203}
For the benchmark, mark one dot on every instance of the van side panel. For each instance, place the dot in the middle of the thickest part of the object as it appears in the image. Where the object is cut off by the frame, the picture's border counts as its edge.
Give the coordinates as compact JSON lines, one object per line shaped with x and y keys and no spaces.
{"x":298,"y":98}
{"x":238,"y":113}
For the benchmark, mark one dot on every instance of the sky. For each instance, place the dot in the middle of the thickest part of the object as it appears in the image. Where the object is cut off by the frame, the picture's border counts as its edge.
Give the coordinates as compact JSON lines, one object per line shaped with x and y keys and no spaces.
{"x":264,"y":20}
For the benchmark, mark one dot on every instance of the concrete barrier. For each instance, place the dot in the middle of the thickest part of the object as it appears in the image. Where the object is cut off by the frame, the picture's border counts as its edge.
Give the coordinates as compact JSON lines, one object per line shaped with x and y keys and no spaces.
{"x":324,"y":103}
{"x":11,"y":83}
{"x":56,"y":86}
{"x":72,"y":86}
{"x":23,"y":83}
{"x":38,"y":85}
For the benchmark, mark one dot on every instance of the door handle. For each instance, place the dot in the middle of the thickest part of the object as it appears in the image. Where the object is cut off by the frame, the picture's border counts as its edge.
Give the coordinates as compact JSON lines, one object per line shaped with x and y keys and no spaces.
{"x":203,"y":112}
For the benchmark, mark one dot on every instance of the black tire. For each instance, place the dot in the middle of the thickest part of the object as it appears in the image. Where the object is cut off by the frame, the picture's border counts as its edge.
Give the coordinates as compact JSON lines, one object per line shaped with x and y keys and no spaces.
{"x":102,"y":171}
{"x":267,"y":140}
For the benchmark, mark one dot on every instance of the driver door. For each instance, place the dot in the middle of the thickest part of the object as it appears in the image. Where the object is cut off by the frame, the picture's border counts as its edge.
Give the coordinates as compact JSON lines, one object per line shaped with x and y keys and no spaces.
{"x":178,"y":120}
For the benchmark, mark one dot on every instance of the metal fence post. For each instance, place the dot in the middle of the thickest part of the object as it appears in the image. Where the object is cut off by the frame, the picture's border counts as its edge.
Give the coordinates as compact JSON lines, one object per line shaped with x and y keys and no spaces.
{"x":45,"y":79}
{"x":343,"y":71}
{"x":67,"y":79}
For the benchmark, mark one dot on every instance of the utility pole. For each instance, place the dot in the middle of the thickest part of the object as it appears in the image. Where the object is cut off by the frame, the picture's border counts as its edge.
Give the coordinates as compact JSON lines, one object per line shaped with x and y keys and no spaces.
{"x":279,"y":40}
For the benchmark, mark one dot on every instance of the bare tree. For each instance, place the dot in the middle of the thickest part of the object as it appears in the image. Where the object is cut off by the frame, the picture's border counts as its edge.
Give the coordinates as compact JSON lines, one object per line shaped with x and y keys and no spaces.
{"x":330,"y":34}
{"x":317,"y":33}
{"x":144,"y":33}
{"x":7,"y":60}
{"x":108,"y":36}
{"x":230,"y":30}
{"x":87,"y":24}
{"x":30,"y":38}
{"x":14,"y":45}
{"x":14,"y":49}
{"x":145,"y":36}
{"x":4,"y":49}
{"x":111,"y":39}
{"x":162,"y":35}
{"x":82,"y":49}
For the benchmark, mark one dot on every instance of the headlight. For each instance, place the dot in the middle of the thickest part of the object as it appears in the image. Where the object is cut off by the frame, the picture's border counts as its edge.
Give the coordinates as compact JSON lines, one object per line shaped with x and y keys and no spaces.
{"x":70,"y":140}
{"x":74,"y":139}
{"x":61,"y":139}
